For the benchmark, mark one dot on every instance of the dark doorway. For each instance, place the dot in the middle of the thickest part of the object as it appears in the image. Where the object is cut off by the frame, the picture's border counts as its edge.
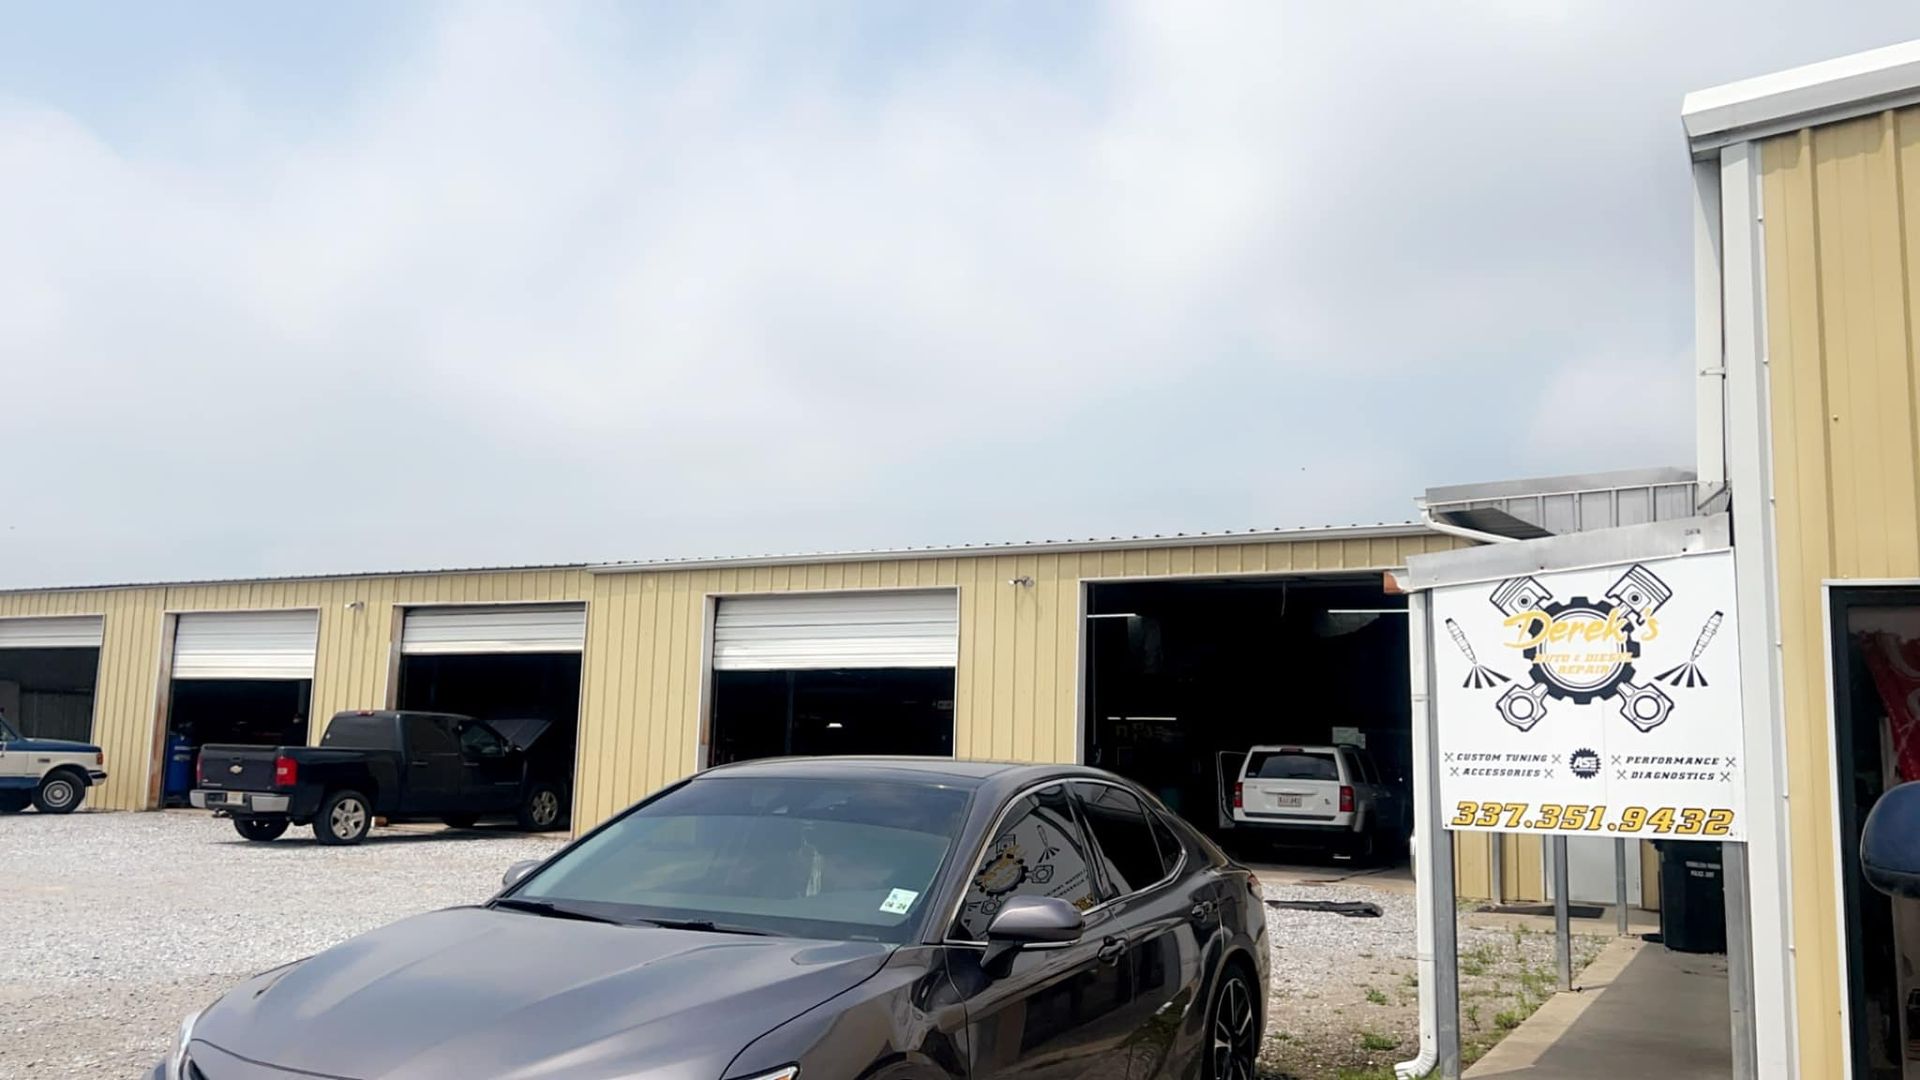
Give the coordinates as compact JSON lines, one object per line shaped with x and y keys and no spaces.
{"x":48,"y":693}
{"x":1183,"y":677}
{"x":759,"y":714}
{"x":1876,"y":687}
{"x":259,"y":712}
{"x":506,"y":686}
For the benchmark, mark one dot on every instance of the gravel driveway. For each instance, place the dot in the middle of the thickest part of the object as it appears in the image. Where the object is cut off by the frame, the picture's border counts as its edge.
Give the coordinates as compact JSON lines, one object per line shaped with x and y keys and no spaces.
{"x":121,"y":924}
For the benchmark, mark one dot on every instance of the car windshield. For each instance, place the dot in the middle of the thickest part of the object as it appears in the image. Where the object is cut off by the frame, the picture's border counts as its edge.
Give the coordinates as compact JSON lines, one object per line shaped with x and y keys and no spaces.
{"x":849,"y":861}
{"x":1293,"y":765}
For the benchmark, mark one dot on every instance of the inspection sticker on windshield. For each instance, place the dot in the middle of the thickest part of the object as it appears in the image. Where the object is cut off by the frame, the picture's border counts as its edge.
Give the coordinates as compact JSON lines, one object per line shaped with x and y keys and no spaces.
{"x":898,"y":901}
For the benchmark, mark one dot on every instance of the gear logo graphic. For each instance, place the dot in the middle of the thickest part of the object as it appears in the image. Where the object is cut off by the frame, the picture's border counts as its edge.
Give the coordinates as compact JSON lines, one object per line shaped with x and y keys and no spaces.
{"x":1582,"y":650}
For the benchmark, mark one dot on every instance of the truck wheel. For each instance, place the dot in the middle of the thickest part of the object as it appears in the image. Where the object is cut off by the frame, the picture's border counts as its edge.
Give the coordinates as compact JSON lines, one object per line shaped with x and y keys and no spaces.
{"x":254,"y":828}
{"x":344,"y":818}
{"x":541,"y":810}
{"x":59,"y":793}
{"x":461,"y":821}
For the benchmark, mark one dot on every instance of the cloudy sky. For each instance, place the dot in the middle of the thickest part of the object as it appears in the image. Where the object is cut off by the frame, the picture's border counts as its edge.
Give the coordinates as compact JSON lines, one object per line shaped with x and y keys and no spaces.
{"x":290,"y":289}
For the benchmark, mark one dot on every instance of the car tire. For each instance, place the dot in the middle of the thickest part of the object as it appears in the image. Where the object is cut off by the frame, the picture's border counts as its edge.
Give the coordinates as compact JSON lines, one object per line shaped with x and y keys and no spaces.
{"x":261,"y":829}
{"x":1232,"y":1045}
{"x":344,"y":818}
{"x":542,"y":810}
{"x":59,"y":793}
{"x":460,"y":821}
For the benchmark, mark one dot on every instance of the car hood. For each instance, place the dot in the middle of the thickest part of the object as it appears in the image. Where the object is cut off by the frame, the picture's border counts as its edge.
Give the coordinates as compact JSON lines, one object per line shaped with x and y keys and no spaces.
{"x":478,"y":992}
{"x":522,"y":732}
{"x":51,"y":746}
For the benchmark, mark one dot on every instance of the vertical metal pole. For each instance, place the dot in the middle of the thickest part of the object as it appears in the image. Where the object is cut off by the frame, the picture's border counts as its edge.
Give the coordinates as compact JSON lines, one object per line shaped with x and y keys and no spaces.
{"x":1562,"y":929}
{"x":1620,"y":886}
{"x":1438,"y":843}
{"x":1733,"y":873}
{"x":1497,"y":868}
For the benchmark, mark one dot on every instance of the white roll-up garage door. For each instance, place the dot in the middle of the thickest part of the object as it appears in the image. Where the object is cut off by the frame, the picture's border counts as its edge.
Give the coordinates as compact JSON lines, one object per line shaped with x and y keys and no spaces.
{"x":52,"y":632}
{"x":507,"y":628}
{"x":245,"y":645}
{"x":842,"y":630}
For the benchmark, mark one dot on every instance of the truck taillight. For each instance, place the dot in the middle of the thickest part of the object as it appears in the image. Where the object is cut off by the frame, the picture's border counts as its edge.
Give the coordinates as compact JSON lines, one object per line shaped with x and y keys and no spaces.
{"x":100,"y":758}
{"x":1346,"y":799}
{"x":1239,"y":795}
{"x":200,"y":770}
{"x":285,"y":771}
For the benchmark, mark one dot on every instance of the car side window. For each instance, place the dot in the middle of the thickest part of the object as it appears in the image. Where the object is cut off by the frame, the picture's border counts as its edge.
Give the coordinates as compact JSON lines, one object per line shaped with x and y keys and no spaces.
{"x":1129,"y":856}
{"x":1171,"y":849}
{"x":479,"y":740}
{"x":1039,"y":850}
{"x":429,"y":735}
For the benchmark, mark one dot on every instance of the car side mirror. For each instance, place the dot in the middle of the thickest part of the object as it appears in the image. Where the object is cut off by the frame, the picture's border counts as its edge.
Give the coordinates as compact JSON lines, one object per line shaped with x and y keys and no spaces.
{"x":1890,"y":843}
{"x":517,"y":872}
{"x":1029,"y":922}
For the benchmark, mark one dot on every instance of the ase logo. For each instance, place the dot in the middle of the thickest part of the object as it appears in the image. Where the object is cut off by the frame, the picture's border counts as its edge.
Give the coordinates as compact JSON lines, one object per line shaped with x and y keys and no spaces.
{"x":1585,"y":764}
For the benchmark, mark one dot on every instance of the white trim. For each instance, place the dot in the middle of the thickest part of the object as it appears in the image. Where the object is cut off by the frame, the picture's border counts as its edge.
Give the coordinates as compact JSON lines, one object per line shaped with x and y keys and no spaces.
{"x":1833,"y":805}
{"x":1371,"y":573}
{"x":1870,"y":583}
{"x":1757,"y":569}
{"x":1822,"y":93}
{"x":1394,"y":530}
{"x":1709,"y":354}
{"x":703,"y":740}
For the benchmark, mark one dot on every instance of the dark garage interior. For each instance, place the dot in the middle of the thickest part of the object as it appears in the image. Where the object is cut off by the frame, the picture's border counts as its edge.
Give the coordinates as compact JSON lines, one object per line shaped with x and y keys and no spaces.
{"x":260,"y":712}
{"x":505,"y":686}
{"x":759,"y":714}
{"x":1182,"y":677}
{"x":48,"y":693}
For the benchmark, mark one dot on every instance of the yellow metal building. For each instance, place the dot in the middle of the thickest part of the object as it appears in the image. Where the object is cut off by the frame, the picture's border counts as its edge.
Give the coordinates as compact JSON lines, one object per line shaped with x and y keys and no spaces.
{"x":1807,"y":227}
{"x":647,"y":655}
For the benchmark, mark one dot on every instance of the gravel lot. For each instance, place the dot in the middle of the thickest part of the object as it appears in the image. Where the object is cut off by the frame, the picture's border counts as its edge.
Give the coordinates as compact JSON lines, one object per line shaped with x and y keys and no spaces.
{"x":132,"y":921}
{"x":1345,"y":997}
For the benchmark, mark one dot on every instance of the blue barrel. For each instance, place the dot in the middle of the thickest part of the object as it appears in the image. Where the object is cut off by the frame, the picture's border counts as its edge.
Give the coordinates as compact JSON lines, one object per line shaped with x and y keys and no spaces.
{"x":179,"y":768}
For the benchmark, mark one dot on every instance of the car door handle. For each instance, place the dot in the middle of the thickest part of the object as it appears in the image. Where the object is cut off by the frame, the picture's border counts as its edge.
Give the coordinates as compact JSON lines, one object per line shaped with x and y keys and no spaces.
{"x":1112,"y":949}
{"x":420,"y":763}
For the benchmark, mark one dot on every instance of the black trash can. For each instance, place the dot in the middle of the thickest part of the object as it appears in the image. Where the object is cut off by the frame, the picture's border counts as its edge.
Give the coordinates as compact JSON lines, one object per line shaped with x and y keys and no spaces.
{"x":1693,"y":896}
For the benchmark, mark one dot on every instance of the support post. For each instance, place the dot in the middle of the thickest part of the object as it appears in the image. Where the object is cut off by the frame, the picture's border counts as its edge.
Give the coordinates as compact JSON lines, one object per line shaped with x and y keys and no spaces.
{"x":1620,"y":886}
{"x":1562,"y":928}
{"x":1733,"y":871}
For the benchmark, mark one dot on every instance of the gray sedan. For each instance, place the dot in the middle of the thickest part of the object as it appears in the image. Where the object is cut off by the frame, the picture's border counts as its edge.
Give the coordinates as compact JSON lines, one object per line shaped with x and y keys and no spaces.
{"x":820,"y":919}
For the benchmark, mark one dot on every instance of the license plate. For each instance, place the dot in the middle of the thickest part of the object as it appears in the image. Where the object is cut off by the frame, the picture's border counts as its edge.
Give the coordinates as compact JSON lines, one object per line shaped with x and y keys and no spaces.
{"x":1287,"y":800}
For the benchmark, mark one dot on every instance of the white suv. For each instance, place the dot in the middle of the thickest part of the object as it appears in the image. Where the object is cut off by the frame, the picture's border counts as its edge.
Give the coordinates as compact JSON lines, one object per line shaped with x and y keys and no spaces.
{"x":1332,"y":793}
{"x":52,"y":774}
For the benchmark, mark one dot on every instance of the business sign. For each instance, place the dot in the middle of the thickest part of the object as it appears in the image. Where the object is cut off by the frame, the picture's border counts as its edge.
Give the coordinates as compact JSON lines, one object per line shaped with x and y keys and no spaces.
{"x":1595,"y":702}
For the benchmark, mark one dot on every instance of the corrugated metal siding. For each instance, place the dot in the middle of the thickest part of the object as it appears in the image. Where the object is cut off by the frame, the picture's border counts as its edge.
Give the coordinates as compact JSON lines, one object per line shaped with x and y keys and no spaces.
{"x":1841,"y":208}
{"x":1019,"y":667}
{"x":352,"y":662}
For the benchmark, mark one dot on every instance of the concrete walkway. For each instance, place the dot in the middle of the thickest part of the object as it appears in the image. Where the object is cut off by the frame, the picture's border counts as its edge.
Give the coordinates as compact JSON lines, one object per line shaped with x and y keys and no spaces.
{"x":1640,"y":1010}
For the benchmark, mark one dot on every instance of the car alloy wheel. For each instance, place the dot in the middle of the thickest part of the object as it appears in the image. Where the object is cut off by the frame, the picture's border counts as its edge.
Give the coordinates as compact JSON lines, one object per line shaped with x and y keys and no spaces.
{"x":1233,"y":1049}
{"x":545,"y":808}
{"x":349,"y":818}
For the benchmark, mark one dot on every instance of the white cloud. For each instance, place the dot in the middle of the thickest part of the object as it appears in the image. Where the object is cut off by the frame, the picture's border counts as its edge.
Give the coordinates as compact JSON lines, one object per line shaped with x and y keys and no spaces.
{"x":544,"y":291}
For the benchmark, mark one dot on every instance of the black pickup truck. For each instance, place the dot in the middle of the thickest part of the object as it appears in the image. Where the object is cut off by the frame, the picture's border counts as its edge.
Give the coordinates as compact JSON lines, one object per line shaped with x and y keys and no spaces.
{"x":397,"y":765}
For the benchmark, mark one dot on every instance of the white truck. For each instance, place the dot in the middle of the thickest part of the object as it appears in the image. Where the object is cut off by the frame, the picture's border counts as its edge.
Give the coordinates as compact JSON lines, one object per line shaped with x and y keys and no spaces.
{"x":52,"y":774}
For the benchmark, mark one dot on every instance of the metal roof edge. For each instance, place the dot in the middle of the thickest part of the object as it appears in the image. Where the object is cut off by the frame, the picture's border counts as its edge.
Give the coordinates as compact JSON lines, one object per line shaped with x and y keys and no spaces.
{"x":1118,"y":543}
{"x":1569,"y":551}
{"x":1819,"y":93}
{"x":353,"y":575}
{"x":1572,"y":484}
